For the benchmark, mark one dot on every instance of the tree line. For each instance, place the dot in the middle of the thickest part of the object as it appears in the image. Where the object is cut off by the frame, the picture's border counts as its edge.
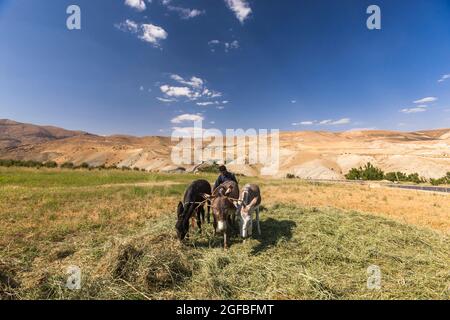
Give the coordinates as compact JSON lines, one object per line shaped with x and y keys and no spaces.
{"x":65,"y":165}
{"x":372,"y":173}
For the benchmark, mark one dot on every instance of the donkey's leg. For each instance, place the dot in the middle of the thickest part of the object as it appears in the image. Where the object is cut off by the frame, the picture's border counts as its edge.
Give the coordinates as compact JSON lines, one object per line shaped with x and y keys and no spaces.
{"x":208,"y":206}
{"x":200,"y":213}
{"x":257,"y":221}
{"x":214,"y":224}
{"x":225,"y":239}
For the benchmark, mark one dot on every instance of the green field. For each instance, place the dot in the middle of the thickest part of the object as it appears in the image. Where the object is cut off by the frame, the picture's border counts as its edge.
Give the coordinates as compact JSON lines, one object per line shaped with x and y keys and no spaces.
{"x":118,"y":228}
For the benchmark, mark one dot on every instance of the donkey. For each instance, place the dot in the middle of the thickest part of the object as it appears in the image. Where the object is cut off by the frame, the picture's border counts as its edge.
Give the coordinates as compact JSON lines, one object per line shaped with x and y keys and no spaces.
{"x":249,"y":202}
{"x":193,"y":203}
{"x":224,"y":209}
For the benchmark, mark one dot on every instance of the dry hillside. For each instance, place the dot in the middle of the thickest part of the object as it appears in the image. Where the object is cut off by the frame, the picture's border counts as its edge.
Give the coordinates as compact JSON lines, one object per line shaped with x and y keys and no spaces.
{"x":309,"y":154}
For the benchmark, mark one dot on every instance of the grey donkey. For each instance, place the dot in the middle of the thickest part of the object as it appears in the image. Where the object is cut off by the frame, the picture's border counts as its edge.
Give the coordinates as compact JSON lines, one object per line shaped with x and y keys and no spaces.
{"x":249,"y":202}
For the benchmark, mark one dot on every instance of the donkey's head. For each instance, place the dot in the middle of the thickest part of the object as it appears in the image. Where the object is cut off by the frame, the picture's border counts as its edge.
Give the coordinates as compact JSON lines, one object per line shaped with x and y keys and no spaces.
{"x":183,"y":215}
{"x":222,"y":208}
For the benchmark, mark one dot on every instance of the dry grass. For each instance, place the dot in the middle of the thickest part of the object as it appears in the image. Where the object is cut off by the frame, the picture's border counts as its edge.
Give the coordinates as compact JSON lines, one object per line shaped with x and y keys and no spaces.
{"x":122,"y":237}
{"x":419,"y":208}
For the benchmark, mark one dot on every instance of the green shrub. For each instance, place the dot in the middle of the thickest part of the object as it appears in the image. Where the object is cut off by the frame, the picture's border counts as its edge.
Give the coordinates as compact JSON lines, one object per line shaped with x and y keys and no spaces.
{"x":67,"y":165}
{"x":354,"y":174}
{"x":369,"y":172}
{"x":21,"y":163}
{"x":414,"y":177}
{"x":84,"y":165}
{"x":290,"y":176}
{"x":50,"y":164}
{"x":443,"y":180}
{"x":396,"y":176}
{"x":6,"y":163}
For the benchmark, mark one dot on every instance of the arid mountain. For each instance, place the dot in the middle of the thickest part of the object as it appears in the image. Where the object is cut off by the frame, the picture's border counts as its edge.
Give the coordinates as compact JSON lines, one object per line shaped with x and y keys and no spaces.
{"x":307,"y":154}
{"x":13,"y":134}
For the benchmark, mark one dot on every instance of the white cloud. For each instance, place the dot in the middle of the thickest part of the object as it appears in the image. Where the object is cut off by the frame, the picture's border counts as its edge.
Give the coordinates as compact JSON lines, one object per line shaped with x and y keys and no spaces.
{"x":178,"y":91}
{"x":193,"y":82}
{"x":444,"y":77}
{"x":323,"y":122}
{"x":129,"y":26}
{"x":231,"y":45}
{"x":165,"y":100}
{"x":414,"y":110}
{"x":307,"y":123}
{"x":362,"y":129}
{"x":186,"y":13}
{"x":210,"y":103}
{"x":146,"y":32}
{"x":139,"y":5}
{"x":187,"y":117}
{"x":341,"y":121}
{"x":152,"y":34}
{"x":240,"y":8}
{"x":193,"y":89}
{"x":426,"y":100}
{"x":227,"y":46}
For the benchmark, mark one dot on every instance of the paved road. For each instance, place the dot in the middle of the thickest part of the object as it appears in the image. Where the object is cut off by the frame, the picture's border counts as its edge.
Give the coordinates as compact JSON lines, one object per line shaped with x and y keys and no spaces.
{"x":423,"y":188}
{"x":390,"y":185}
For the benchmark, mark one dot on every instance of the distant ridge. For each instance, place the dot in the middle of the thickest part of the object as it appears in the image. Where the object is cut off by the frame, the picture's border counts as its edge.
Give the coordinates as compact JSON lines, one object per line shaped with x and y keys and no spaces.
{"x":306,"y":154}
{"x":13,"y":134}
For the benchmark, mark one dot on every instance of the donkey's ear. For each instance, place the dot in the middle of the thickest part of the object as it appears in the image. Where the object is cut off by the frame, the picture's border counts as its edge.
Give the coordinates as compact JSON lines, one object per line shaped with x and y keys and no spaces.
{"x":228,"y":191}
{"x":180,"y":209}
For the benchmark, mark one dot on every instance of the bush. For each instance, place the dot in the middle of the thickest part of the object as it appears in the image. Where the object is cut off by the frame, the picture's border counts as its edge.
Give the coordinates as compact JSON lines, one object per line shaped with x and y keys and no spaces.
{"x":290,"y":176}
{"x":443,"y":180}
{"x":396,"y":176}
{"x":414,"y":177}
{"x":84,"y":165}
{"x":6,"y":163}
{"x":50,"y":164}
{"x":208,"y":167}
{"x":67,"y":165}
{"x":369,"y":172}
{"x":21,"y":163}
{"x":354,"y":174}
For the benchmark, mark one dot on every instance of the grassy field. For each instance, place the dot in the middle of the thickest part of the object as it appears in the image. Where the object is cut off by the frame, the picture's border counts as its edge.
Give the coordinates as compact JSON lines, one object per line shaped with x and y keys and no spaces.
{"x":118,"y":227}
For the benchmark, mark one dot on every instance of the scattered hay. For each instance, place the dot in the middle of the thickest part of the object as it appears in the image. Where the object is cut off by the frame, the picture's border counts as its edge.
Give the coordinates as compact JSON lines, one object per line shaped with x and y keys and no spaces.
{"x":126,"y":262}
{"x":8,"y":284}
{"x":151,"y":263}
{"x":62,"y":254}
{"x":167,"y":268}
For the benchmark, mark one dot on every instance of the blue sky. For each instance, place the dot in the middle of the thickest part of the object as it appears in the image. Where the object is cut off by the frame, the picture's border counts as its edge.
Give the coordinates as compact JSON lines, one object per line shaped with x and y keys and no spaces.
{"x":288,"y":65}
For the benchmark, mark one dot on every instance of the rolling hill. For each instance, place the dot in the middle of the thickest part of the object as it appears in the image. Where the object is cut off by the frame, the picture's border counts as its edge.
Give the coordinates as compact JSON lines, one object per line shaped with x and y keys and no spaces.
{"x":307,"y":154}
